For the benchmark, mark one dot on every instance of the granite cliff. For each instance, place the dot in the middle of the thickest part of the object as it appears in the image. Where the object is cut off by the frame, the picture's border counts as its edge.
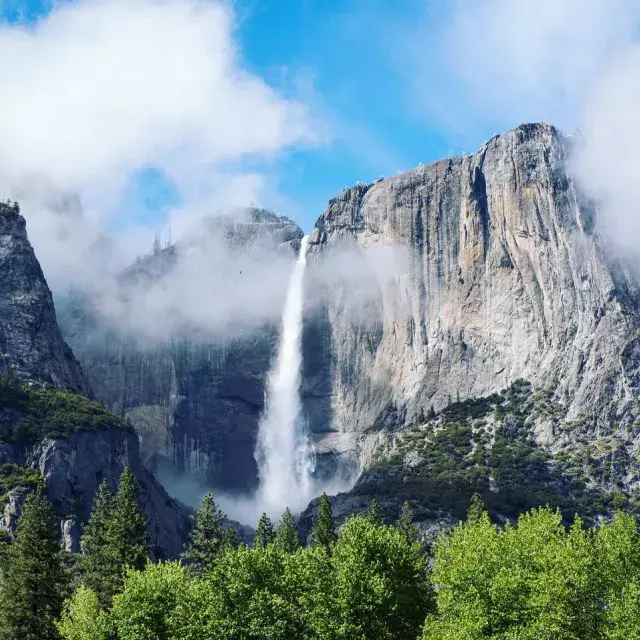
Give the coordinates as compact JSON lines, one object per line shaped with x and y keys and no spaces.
{"x":426,"y":293}
{"x":194,"y":396}
{"x":48,"y":430}
{"x":502,"y":277}
{"x":30,"y":339}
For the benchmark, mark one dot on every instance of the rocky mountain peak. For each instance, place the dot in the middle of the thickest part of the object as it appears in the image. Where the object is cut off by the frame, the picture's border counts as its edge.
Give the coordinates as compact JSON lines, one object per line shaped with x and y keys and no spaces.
{"x":29,"y":335}
{"x":504,"y":278}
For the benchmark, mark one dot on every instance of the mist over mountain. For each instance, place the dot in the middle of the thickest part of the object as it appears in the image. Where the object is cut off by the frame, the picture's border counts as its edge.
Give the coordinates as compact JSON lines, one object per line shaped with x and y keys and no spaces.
{"x":447,"y":283}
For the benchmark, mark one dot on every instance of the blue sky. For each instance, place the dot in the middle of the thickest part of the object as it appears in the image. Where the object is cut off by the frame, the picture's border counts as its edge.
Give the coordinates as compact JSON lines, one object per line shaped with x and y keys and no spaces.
{"x":388,"y":85}
{"x":338,"y":54}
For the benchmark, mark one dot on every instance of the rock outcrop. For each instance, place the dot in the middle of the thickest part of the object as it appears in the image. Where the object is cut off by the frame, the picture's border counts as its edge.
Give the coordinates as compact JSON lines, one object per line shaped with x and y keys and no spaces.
{"x":74,"y":467}
{"x":30,"y":339}
{"x":472,"y":272}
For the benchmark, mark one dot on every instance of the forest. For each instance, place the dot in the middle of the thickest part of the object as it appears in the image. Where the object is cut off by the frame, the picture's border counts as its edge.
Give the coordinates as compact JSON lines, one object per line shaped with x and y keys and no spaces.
{"x":538,"y":578}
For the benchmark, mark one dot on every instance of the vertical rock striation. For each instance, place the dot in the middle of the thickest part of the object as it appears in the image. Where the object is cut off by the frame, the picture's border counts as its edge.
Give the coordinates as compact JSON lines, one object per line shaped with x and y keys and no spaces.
{"x":29,"y":335}
{"x":476,"y":271}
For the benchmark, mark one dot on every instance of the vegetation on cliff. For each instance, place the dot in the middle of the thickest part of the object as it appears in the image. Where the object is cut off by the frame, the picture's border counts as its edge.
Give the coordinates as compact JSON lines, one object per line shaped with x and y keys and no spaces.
{"x":489,"y":446}
{"x":29,"y":414}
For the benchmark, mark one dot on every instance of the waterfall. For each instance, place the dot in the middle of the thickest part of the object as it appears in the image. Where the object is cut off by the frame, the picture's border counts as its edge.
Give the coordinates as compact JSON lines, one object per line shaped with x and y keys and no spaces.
{"x":284,"y":454}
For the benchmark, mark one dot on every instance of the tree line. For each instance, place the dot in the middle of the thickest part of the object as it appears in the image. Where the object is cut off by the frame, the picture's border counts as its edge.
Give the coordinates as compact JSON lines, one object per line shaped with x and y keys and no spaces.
{"x":534,"y":579}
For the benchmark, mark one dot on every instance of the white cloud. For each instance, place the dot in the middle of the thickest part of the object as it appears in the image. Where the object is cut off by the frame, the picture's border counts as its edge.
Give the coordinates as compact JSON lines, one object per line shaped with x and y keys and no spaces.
{"x":489,"y":66}
{"x":503,"y":62}
{"x":99,"y":89}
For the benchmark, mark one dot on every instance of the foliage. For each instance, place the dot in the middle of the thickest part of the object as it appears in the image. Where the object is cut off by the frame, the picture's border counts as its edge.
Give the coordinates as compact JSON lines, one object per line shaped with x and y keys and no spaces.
{"x":12,"y":476}
{"x":83,"y":619}
{"x":380,"y":583}
{"x":265,"y":533}
{"x":55,"y":413}
{"x":537,"y":580}
{"x":34,"y":582}
{"x":115,"y":538}
{"x":485,"y":445}
{"x":129,"y":530}
{"x":287,"y":536}
{"x":374,"y":513}
{"x":323,"y":532}
{"x":206,"y":538}
{"x":405,"y":525}
{"x":101,"y":572}
{"x":254,"y":594}
{"x":230,"y":539}
{"x":146,"y":607}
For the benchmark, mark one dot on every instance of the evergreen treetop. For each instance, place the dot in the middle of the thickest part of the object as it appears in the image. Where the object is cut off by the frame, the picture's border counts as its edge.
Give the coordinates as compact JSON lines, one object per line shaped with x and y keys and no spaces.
{"x":374,"y":513}
{"x":129,"y":524}
{"x":34,"y":584}
{"x":206,"y":538}
{"x":405,"y":525}
{"x":98,"y":562}
{"x":323,"y":532}
{"x":115,"y":538}
{"x":230,"y":539}
{"x":287,"y":536}
{"x":264,"y":534}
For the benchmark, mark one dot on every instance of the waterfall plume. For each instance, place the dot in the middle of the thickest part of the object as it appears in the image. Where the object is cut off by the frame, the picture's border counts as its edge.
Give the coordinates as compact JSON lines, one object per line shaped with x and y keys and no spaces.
{"x":284,"y":453}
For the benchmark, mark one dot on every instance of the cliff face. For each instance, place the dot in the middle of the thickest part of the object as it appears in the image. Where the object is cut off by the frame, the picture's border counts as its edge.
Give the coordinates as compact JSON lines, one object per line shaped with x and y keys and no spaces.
{"x":29,"y":336}
{"x":73,"y":469}
{"x":194,"y":397}
{"x":496,"y":274}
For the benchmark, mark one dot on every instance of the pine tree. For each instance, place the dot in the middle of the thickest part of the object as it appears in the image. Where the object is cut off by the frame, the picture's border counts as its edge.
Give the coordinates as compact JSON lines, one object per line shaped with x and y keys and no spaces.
{"x":323,"y":532}
{"x":287,"y":537}
{"x":129,"y":525}
{"x":405,"y":525}
{"x":35,"y":584}
{"x":264,"y":534}
{"x":374,"y":513}
{"x":98,"y":562}
{"x":206,"y":538}
{"x":230,"y":539}
{"x":476,"y":510}
{"x":115,"y":538}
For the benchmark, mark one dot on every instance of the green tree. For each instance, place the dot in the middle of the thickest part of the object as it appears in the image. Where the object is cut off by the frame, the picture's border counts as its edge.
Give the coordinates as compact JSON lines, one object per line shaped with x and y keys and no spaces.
{"x":530,"y":581}
{"x":83,"y":618}
{"x":405,"y":525}
{"x":129,"y":525}
{"x":206,"y":538}
{"x":618,"y":546}
{"x":230,"y":539}
{"x":323,"y":532}
{"x":100,"y":570}
{"x":287,"y":536}
{"x":146,"y":607}
{"x":380,"y":587}
{"x":34,"y":584}
{"x":252,"y":594}
{"x":264,"y":534}
{"x":115,"y":539}
{"x":374,"y":513}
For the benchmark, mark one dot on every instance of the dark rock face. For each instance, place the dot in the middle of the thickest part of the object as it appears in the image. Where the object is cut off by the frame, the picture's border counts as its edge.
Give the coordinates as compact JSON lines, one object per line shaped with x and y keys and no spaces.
{"x":194,"y":398}
{"x":485,"y":269}
{"x":73,"y":469}
{"x":29,"y":336}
